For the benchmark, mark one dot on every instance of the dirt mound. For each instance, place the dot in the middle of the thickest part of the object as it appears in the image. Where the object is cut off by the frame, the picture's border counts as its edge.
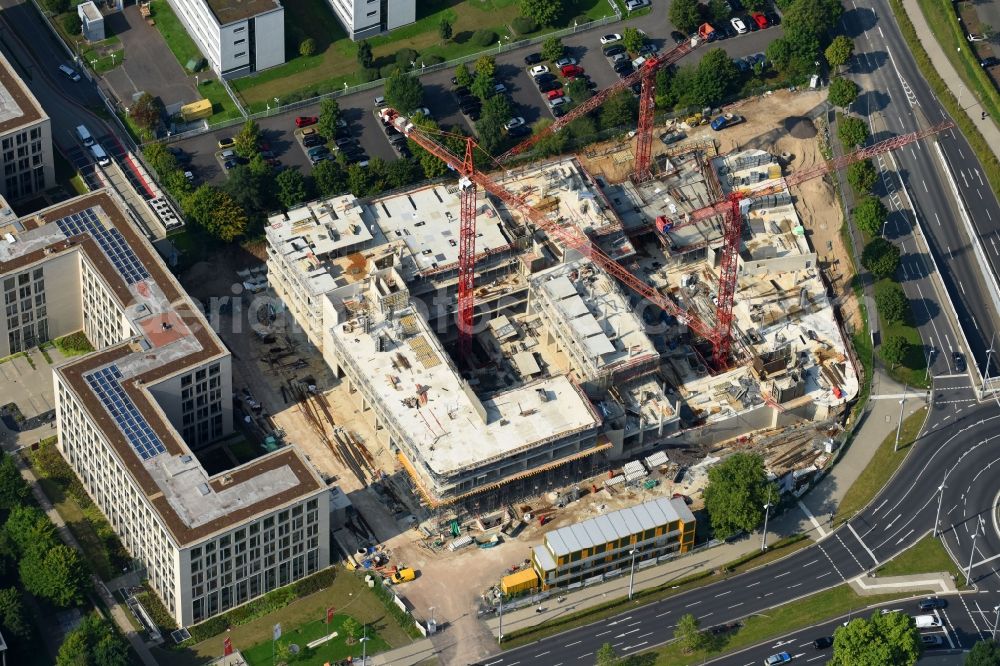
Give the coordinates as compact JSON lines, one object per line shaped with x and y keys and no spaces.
{"x":799,"y":127}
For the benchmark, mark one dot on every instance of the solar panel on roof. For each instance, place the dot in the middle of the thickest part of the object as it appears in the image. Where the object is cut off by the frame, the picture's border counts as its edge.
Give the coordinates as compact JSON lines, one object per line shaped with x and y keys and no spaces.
{"x":106,"y":386}
{"x":111,"y":242}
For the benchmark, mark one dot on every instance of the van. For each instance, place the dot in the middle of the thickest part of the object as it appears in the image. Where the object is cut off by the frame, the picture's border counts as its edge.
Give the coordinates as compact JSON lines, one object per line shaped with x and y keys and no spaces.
{"x":70,"y":73}
{"x":639,"y":62}
{"x":102,"y":157}
{"x":926,"y":621}
{"x":84,"y":134}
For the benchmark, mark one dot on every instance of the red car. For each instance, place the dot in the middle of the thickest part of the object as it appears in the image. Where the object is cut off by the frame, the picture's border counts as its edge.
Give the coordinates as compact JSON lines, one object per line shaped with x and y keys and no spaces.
{"x":305,"y":121}
{"x":760,"y":20}
{"x":571,"y":70}
{"x":553,"y":94}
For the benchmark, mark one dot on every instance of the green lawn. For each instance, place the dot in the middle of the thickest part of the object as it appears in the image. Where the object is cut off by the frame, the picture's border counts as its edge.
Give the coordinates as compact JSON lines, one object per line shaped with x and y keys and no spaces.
{"x":881,"y":467}
{"x":335,"y":648}
{"x":925,"y":556}
{"x":913,"y":370}
{"x":335,"y":62}
{"x":223,"y":107}
{"x":103,"y":56}
{"x":174,"y":34}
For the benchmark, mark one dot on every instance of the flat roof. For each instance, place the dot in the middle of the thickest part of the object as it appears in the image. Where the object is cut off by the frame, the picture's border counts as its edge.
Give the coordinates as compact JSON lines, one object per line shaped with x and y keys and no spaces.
{"x":451,"y":429}
{"x":230,"y":11}
{"x":170,"y":336}
{"x":91,"y":11}
{"x":617,"y":525}
{"x":18,"y":107}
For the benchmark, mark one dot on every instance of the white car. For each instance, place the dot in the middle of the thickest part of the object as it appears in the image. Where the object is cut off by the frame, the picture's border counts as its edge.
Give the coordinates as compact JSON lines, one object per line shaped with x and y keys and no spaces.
{"x":633,"y":5}
{"x":538,"y":70}
{"x":611,"y":39}
{"x":559,"y":101}
{"x":738,"y":25}
{"x":424,"y":111}
{"x":562,"y":62}
{"x":513,"y":122}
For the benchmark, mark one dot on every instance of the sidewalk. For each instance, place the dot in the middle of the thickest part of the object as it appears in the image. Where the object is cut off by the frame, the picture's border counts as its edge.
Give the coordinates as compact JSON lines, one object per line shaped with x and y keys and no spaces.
{"x":968,"y":100}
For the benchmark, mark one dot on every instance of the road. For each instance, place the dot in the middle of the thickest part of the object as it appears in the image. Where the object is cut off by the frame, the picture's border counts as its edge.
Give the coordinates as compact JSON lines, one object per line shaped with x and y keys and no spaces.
{"x":357,"y":109}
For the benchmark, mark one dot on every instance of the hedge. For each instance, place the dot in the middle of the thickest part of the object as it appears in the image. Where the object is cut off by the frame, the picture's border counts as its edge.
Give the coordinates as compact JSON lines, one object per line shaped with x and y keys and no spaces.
{"x":484,"y":37}
{"x":523,"y":25}
{"x":261,"y":606}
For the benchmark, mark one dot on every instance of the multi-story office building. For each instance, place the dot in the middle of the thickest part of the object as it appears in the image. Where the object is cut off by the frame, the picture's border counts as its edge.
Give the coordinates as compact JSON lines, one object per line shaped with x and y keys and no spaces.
{"x":606,"y":544}
{"x":238,"y":37}
{"x":132,"y":414}
{"x":25,"y":139}
{"x":365,"y":18}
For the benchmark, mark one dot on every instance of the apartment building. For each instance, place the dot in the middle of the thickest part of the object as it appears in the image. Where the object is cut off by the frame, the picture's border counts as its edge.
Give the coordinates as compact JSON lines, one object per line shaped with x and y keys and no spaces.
{"x":237,"y":37}
{"x":25,"y":139}
{"x":133,"y":414}
{"x":605,"y":545}
{"x":366,"y":18}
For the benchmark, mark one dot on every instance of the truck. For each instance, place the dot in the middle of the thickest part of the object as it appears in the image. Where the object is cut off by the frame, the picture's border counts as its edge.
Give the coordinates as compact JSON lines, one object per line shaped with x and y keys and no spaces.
{"x":403,"y":575}
{"x":926,"y":621}
{"x":706,"y":32}
{"x":727,"y":120}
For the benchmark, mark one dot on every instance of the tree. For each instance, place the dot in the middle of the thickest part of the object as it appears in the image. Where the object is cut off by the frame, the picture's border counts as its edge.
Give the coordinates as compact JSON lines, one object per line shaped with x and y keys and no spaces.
{"x":718,"y":11}
{"x":543,"y":12}
{"x":606,"y":656}
{"x":350,"y":627}
{"x":807,"y":22}
{"x":217,"y":212}
{"x":71,"y":23}
{"x":145,"y":111}
{"x":57,"y":6}
{"x":29,"y":528}
{"x":983,"y":653}
{"x":842,"y":92}
{"x":881,"y":258}
{"x":633,"y":40}
{"x":685,"y":15}
{"x":552,"y":49}
{"x":13,"y":488}
{"x":357,"y":180}
{"x":780,"y":53}
{"x":483,"y":86}
{"x":717,"y":77}
{"x":889,"y":638}
{"x":329,"y":114}
{"x":111,"y":650}
{"x":365,"y":58}
{"x":74,"y":650}
{"x":291,"y":188}
{"x":578,"y":91}
{"x":444,"y":29}
{"x":258,"y":168}
{"x":402,"y":172}
{"x":56,"y":574}
{"x":870,"y":215}
{"x":583,"y":129}
{"x":893,"y":350}
{"x":839,"y":51}
{"x":688,"y":633}
{"x":404,"y":92}
{"x":247,"y":190}
{"x":94,"y":642}
{"x":462,"y":76}
{"x":307,"y":47}
{"x":862,"y":176}
{"x":496,"y":111}
{"x":619,"y":109}
{"x":891,"y":301}
{"x":12,"y":615}
{"x":736,"y":493}
{"x":551,"y":144}
{"x":852,"y":132}
{"x":329,"y":177}
{"x":486,"y":65}
{"x":247,"y":140}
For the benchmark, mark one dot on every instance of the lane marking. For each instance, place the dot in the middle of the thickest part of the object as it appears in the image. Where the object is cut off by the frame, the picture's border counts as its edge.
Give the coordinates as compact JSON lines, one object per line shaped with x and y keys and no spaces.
{"x":851,"y":527}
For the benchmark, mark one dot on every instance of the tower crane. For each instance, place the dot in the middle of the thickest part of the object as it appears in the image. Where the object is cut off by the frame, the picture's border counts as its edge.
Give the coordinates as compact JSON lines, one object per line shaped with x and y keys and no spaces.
{"x":731,"y":208}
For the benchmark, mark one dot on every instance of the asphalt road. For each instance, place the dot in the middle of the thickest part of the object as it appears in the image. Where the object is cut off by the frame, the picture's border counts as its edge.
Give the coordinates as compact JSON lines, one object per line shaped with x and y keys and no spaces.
{"x":357,"y":109}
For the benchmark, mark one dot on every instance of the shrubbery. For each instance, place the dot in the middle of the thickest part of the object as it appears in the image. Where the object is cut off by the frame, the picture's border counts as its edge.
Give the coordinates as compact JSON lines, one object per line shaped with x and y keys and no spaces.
{"x":484,"y":37}
{"x":523,"y":25}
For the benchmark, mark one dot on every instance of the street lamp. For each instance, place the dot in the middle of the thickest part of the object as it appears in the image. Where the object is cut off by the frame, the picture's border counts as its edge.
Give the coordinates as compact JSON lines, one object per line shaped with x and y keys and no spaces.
{"x":364,"y":646}
{"x":196,"y":81}
{"x":895,"y":447}
{"x":631,"y":575}
{"x":500,"y":624}
{"x":996,"y":609}
{"x":763,"y":537}
{"x":499,"y":45}
{"x":937,"y":517}
{"x":972,"y":552}
{"x":989,"y":352}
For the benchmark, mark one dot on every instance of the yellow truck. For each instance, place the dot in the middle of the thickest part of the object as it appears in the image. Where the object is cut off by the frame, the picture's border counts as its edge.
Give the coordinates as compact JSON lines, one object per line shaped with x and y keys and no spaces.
{"x":403,"y":575}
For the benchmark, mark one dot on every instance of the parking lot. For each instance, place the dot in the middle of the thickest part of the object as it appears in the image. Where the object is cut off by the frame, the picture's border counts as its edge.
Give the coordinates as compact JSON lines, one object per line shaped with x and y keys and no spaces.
{"x":357,"y":109}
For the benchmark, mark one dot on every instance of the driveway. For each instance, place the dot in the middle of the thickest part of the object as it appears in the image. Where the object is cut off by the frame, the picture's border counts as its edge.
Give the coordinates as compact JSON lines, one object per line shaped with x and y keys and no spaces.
{"x":149,"y":65}
{"x":357,"y":108}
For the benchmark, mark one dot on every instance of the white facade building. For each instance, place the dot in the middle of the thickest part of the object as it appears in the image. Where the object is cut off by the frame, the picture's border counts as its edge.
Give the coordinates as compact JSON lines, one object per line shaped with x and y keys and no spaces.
{"x":238,"y":37}
{"x":132,"y":414}
{"x":25,"y":139}
{"x":366,"y":18}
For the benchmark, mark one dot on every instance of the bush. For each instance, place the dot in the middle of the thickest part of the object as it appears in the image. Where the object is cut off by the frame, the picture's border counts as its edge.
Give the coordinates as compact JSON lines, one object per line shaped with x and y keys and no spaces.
{"x":385,"y":71}
{"x":433,"y":60}
{"x":870,"y":214}
{"x":71,"y":23}
{"x":881,"y":258}
{"x":484,"y":37}
{"x":406,"y":56}
{"x":307,"y":47}
{"x":57,"y":6}
{"x":891,"y":301}
{"x":523,"y":25}
{"x":369,"y":74}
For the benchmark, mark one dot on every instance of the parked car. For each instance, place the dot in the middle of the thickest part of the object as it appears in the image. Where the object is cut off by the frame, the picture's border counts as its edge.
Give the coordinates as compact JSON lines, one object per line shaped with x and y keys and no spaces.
{"x":738,"y":25}
{"x":559,"y":111}
{"x":380,"y":102}
{"x":930,"y":603}
{"x":672,"y":137}
{"x":314,"y":140}
{"x":572,"y":70}
{"x":613,"y":50}
{"x":931,"y":640}
{"x":611,"y":39}
{"x":229,"y":164}
{"x":305,"y":121}
{"x":553,"y":94}
{"x":513,"y":122}
{"x":647,"y":49}
{"x":750,"y":23}
{"x":618,"y":57}
{"x":632,"y":5}
{"x":473,"y":113}
{"x":772,"y":18}
{"x":559,"y":101}
{"x":624,"y":65}
{"x":538,"y":70}
{"x":461,"y":91}
{"x":69,"y":73}
{"x":678,"y":37}
{"x":992,"y":61}
{"x":532,"y":58}
{"x":759,"y":19}
{"x":423,"y":111}
{"x":499,"y":88}
{"x":823,"y":642}
{"x":519,"y":131}
{"x":549,"y":85}
{"x":343,"y":143}
{"x":226,"y":142}
{"x":545,"y":78}
{"x":562,"y":62}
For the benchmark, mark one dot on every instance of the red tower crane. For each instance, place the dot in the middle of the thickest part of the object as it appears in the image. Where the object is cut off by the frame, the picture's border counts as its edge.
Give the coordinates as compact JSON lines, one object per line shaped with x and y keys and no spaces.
{"x":466,"y":252}
{"x":730,"y":208}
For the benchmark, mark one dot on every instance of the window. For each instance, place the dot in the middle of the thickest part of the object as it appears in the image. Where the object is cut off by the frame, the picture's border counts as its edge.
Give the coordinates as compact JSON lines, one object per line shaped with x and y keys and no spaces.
{"x":373,"y":13}
{"x":239,"y":41}
{"x":240,"y":29}
{"x":241,"y":54}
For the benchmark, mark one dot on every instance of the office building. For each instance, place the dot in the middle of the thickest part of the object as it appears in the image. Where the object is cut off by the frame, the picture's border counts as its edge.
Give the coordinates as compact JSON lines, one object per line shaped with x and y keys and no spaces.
{"x":237,"y":37}
{"x":367,"y":18}
{"x":25,"y":139}
{"x":133,"y":414}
